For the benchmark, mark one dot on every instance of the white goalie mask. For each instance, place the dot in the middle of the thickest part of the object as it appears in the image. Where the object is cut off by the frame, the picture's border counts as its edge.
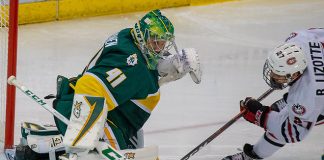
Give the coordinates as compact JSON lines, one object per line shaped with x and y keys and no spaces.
{"x":284,"y":61}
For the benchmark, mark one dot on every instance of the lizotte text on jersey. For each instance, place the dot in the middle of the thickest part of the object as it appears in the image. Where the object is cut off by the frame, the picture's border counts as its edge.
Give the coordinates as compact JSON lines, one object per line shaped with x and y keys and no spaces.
{"x":318,"y":64}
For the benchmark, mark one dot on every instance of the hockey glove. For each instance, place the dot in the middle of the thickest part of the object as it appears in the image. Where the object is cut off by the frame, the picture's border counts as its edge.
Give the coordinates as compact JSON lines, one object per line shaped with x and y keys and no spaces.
{"x":176,"y":66}
{"x":256,"y":113}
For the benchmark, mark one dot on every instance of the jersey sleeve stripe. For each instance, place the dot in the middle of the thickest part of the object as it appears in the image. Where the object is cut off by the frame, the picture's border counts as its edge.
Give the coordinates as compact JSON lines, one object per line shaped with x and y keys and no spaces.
{"x":283,"y":129}
{"x":320,"y":120}
{"x":148,"y":104}
{"x":319,"y":123}
{"x":133,"y":140}
{"x":141,"y":106}
{"x":271,"y":141}
{"x":297,"y":133}
{"x":290,"y":132}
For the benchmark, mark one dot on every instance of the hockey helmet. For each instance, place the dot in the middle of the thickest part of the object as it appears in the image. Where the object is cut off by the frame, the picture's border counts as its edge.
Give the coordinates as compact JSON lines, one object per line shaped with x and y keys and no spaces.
{"x":154,"y":34}
{"x":284,"y":61}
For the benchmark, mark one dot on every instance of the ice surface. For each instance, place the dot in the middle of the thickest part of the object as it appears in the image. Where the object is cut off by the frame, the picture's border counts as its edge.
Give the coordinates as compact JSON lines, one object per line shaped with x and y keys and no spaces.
{"x":232,"y":38}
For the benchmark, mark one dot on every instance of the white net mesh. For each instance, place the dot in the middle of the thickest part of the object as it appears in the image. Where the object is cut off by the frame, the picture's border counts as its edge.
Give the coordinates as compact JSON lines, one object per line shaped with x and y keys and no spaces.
{"x":3,"y":62}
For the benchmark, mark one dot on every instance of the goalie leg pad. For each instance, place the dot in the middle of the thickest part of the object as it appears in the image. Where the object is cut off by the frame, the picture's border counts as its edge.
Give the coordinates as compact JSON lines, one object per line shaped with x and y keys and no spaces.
{"x":146,"y":153}
{"x":41,"y":139}
{"x":86,"y":123}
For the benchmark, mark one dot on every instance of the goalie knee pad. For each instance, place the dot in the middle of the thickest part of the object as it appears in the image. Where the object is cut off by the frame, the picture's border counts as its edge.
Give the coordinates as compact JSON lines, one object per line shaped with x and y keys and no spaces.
{"x":86,"y":123}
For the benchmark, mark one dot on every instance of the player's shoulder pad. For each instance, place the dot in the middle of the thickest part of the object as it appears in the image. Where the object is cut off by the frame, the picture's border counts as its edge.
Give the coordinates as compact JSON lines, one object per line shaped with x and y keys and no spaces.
{"x":128,"y":48}
{"x":119,"y":40}
{"x":121,"y":49}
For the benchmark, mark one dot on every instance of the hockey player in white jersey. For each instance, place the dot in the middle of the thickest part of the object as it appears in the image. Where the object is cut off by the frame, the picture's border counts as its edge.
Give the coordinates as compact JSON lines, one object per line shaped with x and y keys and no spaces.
{"x":299,"y":64}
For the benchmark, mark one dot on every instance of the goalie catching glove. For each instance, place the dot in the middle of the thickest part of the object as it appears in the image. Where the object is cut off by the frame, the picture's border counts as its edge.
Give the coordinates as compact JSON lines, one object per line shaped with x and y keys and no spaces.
{"x":177,"y":66}
{"x":256,"y":113}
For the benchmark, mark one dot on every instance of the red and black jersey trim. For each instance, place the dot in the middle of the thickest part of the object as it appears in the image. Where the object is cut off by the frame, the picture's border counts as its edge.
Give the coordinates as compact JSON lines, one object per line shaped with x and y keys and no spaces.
{"x":272,"y":142}
{"x":283,"y":129}
{"x":290,"y":132}
{"x":320,"y":119}
{"x":297,"y":133}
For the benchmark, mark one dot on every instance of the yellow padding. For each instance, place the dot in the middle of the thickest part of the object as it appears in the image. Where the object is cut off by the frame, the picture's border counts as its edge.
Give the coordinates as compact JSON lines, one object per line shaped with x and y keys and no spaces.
{"x":51,"y":10}
{"x":37,"y":12}
{"x":90,"y":85}
{"x":72,"y":86}
{"x":110,"y":139}
{"x":151,"y":101}
{"x":206,"y":2}
{"x":85,"y":8}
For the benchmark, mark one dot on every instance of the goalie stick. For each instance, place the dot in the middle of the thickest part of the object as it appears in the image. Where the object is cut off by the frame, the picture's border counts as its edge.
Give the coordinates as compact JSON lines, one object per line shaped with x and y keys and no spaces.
{"x":12,"y":81}
{"x":113,"y":154}
{"x":224,"y":127}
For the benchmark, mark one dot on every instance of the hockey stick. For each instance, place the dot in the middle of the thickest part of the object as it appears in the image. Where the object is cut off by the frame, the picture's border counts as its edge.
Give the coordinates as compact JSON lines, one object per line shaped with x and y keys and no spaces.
{"x":110,"y":152}
{"x":223,"y":128}
{"x":12,"y":81}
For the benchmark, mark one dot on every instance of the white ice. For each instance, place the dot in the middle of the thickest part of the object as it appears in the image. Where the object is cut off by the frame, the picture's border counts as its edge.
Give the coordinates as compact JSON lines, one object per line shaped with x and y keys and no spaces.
{"x":232,"y":38}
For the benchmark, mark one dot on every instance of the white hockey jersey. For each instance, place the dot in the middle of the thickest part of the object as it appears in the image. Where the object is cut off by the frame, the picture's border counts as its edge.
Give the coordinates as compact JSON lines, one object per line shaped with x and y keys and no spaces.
{"x":305,"y":101}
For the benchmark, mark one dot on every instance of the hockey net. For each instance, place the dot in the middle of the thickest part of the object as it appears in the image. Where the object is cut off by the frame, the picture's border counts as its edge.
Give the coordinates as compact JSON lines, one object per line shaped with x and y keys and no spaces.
{"x":8,"y":48}
{"x":4,"y":12}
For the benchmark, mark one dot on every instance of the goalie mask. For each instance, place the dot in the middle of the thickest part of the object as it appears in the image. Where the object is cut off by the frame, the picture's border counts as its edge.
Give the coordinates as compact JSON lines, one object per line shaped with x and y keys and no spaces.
{"x":284,"y":65}
{"x":154,"y":34}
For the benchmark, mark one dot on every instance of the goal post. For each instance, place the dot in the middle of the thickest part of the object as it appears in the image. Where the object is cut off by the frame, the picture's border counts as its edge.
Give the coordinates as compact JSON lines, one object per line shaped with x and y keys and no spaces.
{"x":8,"y":45}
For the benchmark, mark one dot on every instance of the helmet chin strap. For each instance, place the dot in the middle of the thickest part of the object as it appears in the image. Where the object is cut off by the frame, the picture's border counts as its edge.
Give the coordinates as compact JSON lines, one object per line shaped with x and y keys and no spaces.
{"x":276,"y":85}
{"x":292,"y":81}
{"x":289,"y":78}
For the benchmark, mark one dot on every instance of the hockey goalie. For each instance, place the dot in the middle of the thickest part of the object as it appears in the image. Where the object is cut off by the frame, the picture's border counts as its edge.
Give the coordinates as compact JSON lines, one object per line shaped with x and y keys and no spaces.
{"x":108,"y":104}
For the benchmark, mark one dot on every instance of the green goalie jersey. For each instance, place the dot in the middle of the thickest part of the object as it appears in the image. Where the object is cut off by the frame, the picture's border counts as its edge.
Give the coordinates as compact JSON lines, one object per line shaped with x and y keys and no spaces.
{"x":121,"y":76}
